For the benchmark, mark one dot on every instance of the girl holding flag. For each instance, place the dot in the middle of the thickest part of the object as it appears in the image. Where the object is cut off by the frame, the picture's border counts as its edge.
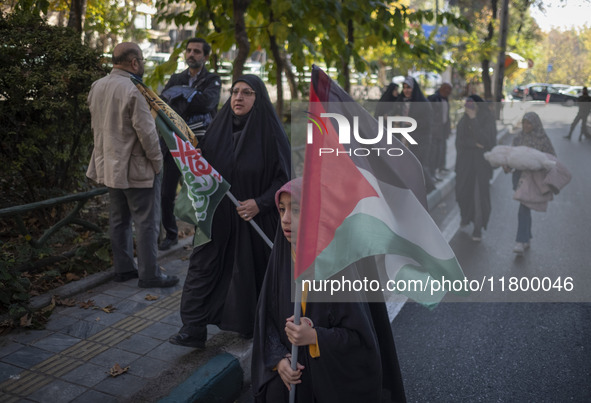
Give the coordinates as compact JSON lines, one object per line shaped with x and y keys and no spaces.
{"x":346,"y":349}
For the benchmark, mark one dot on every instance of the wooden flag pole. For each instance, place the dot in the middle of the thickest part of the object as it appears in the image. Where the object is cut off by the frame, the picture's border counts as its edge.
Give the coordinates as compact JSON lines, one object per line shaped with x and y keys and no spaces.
{"x":297,"y":312}
{"x":254,"y":224}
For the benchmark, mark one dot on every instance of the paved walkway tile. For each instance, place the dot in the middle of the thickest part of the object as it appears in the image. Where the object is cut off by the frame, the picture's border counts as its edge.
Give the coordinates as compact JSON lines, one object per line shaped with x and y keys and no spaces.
{"x":26,"y":357}
{"x":87,"y":375}
{"x":7,"y":371}
{"x":147,"y":367}
{"x":139,"y":344}
{"x":56,"y":342}
{"x":58,"y":391}
{"x":93,"y":396}
{"x":122,"y":386}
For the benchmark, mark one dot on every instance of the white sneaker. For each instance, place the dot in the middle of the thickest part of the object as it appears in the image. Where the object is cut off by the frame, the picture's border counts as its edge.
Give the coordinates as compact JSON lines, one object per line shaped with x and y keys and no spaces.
{"x":526,"y":246}
{"x":519,"y":248}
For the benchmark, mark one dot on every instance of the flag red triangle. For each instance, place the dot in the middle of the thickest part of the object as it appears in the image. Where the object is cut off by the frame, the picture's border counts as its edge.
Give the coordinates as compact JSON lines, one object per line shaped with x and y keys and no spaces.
{"x":332,"y":184}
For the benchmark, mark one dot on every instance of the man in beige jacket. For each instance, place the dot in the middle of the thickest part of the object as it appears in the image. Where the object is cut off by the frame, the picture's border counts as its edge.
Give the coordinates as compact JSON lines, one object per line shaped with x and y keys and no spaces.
{"x":127,"y":159}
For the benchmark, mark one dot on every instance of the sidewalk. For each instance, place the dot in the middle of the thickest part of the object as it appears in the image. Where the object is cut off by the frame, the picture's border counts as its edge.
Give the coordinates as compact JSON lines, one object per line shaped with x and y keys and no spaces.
{"x":70,"y":360}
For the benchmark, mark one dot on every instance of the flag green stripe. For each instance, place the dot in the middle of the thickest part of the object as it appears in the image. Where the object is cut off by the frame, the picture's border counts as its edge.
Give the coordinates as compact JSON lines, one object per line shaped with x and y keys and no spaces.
{"x":346,"y":248}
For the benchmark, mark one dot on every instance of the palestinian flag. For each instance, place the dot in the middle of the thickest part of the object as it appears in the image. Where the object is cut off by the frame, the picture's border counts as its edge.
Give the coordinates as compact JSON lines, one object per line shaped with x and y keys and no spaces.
{"x":361,"y":199}
{"x":203,"y":187}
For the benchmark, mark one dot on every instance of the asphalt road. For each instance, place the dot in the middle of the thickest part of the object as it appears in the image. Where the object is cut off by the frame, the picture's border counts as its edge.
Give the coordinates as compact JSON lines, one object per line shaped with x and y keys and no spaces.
{"x":526,"y":346}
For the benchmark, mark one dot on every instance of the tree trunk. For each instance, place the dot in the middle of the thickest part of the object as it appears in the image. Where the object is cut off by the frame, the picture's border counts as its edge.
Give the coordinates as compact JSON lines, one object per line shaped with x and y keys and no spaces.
{"x":291,"y":78}
{"x":486,"y":81}
{"x":77,"y":13}
{"x":500,"y":70}
{"x":347,"y":57}
{"x":241,"y":37}
{"x":279,"y":75}
{"x":129,"y":32}
{"x":382,"y":80}
{"x":278,"y":64}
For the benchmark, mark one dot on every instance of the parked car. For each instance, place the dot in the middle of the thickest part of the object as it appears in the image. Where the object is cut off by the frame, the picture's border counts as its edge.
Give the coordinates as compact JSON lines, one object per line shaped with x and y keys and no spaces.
{"x":575,"y":90}
{"x":540,"y":92}
{"x":517,"y":92}
{"x":536,"y":91}
{"x":564,"y":96}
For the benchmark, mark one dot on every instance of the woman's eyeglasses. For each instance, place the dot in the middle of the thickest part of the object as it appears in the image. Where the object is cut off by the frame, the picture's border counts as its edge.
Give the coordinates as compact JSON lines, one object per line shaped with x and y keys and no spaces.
{"x":245,"y":92}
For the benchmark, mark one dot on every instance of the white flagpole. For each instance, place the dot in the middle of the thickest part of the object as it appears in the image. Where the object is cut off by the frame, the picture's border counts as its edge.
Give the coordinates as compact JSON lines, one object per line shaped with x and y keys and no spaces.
{"x":254,"y":224}
{"x":297,"y":312}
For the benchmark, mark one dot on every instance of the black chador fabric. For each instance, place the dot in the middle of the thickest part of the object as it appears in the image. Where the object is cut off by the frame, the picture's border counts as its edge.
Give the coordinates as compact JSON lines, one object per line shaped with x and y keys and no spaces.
{"x":419,"y":109}
{"x":386,"y":105}
{"x":472,"y":170}
{"x":225,"y":275}
{"x":357,"y":353}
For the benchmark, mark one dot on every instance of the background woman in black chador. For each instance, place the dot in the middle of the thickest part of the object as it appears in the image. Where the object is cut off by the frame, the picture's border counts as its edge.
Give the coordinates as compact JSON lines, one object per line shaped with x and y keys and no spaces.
{"x":386,"y":105}
{"x":415,"y":105}
{"x":476,"y":133}
{"x":248,"y":146}
{"x":346,"y":349}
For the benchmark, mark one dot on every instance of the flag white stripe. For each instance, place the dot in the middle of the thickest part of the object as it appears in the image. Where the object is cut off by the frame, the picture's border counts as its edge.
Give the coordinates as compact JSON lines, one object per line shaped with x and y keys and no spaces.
{"x":404,"y":215}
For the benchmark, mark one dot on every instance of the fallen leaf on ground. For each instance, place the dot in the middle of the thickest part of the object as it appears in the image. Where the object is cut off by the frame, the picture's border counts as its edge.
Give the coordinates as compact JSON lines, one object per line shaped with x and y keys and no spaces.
{"x":109,"y":309}
{"x":87,"y":304}
{"x":26,"y":321}
{"x":117,"y":370}
{"x":51,"y":305}
{"x":151,"y":297}
{"x":65,"y":302}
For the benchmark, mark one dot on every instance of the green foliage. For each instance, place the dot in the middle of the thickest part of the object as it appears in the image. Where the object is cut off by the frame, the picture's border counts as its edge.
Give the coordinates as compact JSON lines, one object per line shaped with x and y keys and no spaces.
{"x":318,"y":31}
{"x":45,"y":76}
{"x":163,"y":71}
{"x":569,"y":52}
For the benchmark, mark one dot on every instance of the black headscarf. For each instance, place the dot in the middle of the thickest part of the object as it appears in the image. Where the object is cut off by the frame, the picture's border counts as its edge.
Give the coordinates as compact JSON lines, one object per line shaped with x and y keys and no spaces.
{"x":420,"y":108}
{"x":385,"y":105}
{"x":417,"y":95}
{"x":261,"y":137}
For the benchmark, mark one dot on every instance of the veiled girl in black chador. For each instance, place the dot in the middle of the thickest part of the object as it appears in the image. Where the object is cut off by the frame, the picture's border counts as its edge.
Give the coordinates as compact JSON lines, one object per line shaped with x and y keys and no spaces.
{"x":346,"y":349}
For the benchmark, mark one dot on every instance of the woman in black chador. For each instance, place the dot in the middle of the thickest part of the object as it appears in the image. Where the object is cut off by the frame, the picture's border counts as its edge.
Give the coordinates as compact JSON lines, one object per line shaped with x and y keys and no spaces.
{"x":248,"y":146}
{"x":346,"y":349}
{"x":386,"y":106}
{"x":476,"y":134}
{"x":414,"y":104}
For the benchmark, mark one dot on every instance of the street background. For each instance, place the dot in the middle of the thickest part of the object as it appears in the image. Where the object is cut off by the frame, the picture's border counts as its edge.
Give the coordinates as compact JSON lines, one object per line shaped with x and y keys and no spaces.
{"x":511,"y":352}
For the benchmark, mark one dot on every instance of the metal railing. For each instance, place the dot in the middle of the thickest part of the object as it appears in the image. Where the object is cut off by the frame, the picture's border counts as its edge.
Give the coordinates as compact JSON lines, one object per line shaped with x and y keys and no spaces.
{"x":16,"y":213}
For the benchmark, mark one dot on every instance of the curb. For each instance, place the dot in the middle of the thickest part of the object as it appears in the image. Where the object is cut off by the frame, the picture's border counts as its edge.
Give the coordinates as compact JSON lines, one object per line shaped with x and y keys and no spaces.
{"x":218,"y":381}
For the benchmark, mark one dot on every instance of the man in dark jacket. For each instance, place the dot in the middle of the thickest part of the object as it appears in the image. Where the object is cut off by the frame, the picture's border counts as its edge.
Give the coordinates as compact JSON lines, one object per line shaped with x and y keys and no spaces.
{"x":440,"y":128}
{"x":584,"y":103}
{"x":194,"y":94}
